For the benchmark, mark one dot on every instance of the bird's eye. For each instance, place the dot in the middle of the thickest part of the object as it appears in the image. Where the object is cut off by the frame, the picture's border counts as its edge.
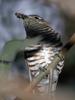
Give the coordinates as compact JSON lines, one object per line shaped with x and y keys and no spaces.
{"x":36,"y":17}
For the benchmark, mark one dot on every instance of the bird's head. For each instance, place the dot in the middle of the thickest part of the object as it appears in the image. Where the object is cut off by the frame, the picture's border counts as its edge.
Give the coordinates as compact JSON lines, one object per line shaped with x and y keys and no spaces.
{"x":34,"y":24}
{"x":37,"y":27}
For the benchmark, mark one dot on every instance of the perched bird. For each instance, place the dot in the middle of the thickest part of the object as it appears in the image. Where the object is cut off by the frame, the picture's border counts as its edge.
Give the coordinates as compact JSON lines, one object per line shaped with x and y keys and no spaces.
{"x":38,"y":56}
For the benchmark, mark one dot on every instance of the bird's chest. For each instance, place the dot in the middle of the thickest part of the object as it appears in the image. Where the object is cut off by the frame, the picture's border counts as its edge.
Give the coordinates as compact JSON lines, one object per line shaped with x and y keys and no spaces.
{"x":41,"y":59}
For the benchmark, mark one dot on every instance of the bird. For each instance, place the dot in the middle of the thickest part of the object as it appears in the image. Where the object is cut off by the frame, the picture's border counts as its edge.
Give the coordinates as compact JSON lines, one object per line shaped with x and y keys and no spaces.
{"x":40,"y":53}
{"x":38,"y":56}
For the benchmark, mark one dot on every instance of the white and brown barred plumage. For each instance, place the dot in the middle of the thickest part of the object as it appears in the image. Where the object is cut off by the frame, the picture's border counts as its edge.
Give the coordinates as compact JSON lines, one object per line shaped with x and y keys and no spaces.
{"x":39,"y":56}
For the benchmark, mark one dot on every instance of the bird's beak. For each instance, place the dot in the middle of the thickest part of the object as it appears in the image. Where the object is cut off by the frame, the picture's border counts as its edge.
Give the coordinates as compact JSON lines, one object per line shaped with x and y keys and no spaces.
{"x":22,"y":16}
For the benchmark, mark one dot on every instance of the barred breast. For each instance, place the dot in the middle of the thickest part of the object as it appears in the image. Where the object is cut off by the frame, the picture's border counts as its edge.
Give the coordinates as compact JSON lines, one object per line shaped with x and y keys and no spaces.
{"x":38,"y":57}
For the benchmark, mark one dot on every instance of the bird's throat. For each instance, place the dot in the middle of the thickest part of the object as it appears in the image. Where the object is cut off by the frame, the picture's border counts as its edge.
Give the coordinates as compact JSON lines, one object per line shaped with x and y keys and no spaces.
{"x":32,"y":41}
